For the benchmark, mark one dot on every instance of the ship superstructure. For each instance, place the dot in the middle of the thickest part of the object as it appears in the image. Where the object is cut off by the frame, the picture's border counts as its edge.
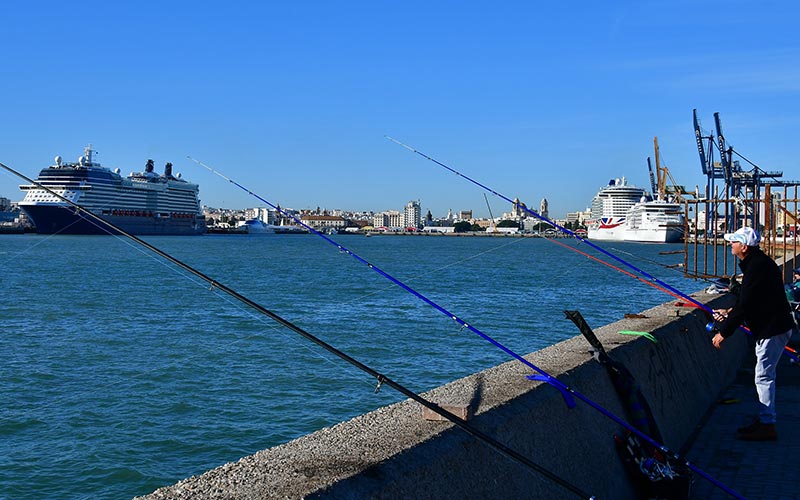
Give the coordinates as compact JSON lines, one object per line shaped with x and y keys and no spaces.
{"x":655,"y":221}
{"x":610,"y":208}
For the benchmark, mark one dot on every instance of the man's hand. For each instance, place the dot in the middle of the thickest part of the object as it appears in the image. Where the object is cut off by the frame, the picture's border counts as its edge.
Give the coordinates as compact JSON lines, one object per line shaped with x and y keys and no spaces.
{"x":721,"y":314}
{"x":718,"y":340}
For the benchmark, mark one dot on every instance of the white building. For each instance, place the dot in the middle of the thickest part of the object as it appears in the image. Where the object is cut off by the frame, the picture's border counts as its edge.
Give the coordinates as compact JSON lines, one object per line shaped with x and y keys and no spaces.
{"x":518,"y":211}
{"x":579,"y":217}
{"x":412,"y":215}
{"x":322,"y":222}
{"x":388,"y":218}
{"x":264,"y":214}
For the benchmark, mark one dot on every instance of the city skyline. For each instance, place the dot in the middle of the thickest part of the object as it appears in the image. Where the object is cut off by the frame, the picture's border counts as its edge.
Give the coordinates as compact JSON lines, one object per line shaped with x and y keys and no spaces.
{"x":294,"y":100}
{"x":450,"y":212}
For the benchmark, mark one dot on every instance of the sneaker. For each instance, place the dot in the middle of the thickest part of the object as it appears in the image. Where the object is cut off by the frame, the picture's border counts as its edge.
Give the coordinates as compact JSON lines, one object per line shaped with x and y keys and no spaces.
{"x":762,"y":432}
{"x":747,"y":429}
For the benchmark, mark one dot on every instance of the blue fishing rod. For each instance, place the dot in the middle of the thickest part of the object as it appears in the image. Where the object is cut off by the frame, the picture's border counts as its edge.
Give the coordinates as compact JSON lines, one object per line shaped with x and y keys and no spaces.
{"x":381,"y":378}
{"x":568,"y":392}
{"x":664,"y":286}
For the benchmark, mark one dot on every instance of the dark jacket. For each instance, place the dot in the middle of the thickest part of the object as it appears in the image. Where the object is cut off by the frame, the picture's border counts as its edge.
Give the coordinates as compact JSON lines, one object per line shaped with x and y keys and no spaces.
{"x":762,"y":304}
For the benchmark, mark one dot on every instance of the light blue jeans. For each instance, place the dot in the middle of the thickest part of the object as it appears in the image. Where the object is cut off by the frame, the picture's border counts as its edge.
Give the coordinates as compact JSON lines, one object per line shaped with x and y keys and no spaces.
{"x":768,"y":353}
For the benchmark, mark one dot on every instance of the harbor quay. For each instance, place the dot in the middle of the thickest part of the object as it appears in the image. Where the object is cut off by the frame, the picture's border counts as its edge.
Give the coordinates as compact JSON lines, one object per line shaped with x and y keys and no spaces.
{"x":396,"y":452}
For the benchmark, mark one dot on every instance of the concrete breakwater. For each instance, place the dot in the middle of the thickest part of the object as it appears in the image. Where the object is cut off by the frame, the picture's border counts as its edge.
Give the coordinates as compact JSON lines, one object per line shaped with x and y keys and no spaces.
{"x":393,"y":452}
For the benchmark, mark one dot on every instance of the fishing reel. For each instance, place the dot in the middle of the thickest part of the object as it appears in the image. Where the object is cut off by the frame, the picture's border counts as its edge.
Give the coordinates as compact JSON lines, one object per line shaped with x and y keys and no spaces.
{"x":712,"y":327}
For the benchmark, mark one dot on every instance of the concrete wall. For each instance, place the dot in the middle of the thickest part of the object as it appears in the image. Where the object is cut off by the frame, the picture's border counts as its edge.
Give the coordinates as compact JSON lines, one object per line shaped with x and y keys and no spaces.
{"x":394,"y":453}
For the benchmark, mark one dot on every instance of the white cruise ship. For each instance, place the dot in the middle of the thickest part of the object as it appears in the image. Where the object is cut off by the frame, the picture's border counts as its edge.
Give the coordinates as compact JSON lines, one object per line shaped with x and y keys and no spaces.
{"x":610,"y":208}
{"x":144,"y":203}
{"x":655,"y":221}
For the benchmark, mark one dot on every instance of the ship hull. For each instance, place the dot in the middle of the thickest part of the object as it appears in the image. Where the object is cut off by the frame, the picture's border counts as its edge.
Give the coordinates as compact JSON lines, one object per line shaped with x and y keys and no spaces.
{"x":664,"y":235}
{"x":655,"y":222}
{"x":607,"y":229}
{"x":61,"y":219}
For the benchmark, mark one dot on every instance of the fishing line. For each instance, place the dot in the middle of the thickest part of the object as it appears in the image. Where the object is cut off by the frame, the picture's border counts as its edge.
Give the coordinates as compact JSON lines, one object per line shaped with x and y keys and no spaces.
{"x":434,"y":271}
{"x":381,"y":378}
{"x":119,"y":237}
{"x":673,"y":267}
{"x":550,"y":222}
{"x":566,"y":231}
{"x":236,"y":304}
{"x":106,"y":229}
{"x":228,"y":299}
{"x":561,"y":386}
{"x":616,"y":268}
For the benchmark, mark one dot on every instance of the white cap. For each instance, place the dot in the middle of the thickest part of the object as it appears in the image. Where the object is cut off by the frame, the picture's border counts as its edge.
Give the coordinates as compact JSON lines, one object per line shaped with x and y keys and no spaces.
{"x":744,"y":235}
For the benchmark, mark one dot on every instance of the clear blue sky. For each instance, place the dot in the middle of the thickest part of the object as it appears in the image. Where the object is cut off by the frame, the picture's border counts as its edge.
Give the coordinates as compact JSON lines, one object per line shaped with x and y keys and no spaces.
{"x":293,"y":99}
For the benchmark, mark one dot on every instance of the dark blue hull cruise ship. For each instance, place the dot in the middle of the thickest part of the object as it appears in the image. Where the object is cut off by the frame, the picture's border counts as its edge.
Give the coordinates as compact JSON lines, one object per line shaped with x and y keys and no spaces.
{"x":144,"y":203}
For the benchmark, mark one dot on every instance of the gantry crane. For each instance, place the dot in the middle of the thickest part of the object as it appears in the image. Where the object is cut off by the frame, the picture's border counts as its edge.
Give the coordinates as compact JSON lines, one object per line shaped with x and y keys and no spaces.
{"x":738,"y":184}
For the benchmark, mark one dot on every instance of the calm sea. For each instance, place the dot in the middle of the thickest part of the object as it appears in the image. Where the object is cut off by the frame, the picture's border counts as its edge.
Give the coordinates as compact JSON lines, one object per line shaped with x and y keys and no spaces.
{"x":122,"y":373}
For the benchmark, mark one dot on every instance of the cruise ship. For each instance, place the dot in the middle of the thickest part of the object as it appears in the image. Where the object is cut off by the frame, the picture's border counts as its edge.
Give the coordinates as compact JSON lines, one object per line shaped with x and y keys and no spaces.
{"x":655,"y":221}
{"x":144,"y":203}
{"x":610,"y":208}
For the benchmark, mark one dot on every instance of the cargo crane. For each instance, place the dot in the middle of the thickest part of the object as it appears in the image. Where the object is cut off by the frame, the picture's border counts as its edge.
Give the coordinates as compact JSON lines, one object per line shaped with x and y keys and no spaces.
{"x":737,"y":184}
{"x":658,"y":182}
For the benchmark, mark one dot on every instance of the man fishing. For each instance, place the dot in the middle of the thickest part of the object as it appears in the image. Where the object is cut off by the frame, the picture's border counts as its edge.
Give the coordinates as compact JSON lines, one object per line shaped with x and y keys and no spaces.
{"x":762,"y":306}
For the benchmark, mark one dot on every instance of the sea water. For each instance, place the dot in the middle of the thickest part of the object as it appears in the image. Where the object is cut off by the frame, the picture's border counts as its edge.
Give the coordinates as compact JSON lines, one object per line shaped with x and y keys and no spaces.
{"x":122,"y":372}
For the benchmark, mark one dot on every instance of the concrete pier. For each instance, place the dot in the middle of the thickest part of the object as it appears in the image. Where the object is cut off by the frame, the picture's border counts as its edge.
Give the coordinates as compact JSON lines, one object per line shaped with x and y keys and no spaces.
{"x":393,"y":452}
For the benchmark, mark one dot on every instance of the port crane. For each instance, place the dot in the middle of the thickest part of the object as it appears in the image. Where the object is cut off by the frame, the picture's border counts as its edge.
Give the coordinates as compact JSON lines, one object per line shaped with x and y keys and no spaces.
{"x":727,"y":180}
{"x":658,"y":182}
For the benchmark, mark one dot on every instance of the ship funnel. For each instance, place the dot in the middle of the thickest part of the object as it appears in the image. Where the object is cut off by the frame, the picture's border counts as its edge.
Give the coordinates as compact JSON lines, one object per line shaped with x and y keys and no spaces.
{"x":149,"y":166}
{"x":168,"y":170}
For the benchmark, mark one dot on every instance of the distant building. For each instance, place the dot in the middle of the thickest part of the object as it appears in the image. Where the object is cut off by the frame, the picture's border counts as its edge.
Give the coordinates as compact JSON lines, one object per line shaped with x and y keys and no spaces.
{"x":579,"y":217}
{"x":323,"y":221}
{"x":412,"y":215}
{"x":266,"y":215}
{"x":543,"y":209}
{"x":518,"y":211}
{"x":465,"y":215}
{"x":531,"y":224}
{"x":388,"y":218}
{"x":8,"y":210}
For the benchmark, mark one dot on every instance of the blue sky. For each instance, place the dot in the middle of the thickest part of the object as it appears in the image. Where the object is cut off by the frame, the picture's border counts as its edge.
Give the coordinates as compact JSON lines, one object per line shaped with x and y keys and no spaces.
{"x":293,"y":99}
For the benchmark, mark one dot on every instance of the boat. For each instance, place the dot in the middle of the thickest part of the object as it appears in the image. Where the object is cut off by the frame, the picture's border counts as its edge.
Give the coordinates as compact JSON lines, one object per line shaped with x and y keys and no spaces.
{"x":256,"y":226}
{"x":610,"y":208}
{"x":658,"y":218}
{"x":654,"y":221}
{"x":143,"y":203}
{"x":290,"y":229}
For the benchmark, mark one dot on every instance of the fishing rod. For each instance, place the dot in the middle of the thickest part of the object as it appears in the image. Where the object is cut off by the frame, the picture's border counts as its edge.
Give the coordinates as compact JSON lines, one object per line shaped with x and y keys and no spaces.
{"x":381,"y":378}
{"x":567,"y":391}
{"x":672,"y":290}
{"x":550,"y":222}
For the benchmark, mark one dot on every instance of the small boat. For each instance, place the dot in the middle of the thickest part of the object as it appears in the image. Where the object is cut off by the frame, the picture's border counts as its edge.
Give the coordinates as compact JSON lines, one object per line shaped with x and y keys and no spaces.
{"x":257,"y":226}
